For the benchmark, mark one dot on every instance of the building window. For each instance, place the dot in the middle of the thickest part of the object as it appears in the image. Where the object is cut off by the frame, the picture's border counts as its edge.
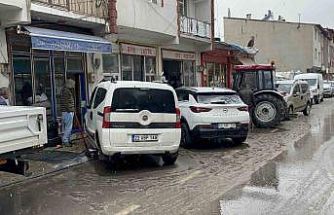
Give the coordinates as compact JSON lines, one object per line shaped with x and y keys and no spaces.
{"x":138,"y":68}
{"x":183,"y":7}
{"x":110,"y":65}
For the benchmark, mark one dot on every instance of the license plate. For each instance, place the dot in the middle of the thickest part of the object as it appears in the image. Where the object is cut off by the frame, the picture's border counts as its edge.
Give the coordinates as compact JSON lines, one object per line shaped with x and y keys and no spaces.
{"x":144,"y":138}
{"x":227,"y":125}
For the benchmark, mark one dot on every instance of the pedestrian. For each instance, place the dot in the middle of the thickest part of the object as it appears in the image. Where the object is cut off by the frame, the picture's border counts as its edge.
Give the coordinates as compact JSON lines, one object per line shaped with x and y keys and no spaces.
{"x":3,"y":96}
{"x":67,"y":108}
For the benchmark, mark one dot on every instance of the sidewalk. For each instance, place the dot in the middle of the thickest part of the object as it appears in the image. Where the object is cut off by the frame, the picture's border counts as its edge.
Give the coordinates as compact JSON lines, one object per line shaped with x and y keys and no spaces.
{"x":46,"y":161}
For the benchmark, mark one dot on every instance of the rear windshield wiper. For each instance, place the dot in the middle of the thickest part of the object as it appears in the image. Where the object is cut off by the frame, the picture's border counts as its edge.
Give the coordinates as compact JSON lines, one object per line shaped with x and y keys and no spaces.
{"x":219,"y":102}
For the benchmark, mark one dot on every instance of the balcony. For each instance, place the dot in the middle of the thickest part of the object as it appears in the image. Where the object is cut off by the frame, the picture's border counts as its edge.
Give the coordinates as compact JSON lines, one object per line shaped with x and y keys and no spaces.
{"x":193,"y":27}
{"x":96,"y":8}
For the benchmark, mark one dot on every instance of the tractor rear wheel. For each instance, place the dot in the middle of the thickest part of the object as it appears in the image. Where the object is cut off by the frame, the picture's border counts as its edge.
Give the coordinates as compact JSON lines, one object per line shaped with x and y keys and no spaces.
{"x":269,"y":111}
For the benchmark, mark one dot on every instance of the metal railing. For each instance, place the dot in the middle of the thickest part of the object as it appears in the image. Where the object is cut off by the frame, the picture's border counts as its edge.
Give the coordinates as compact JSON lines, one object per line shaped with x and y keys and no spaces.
{"x":95,"y":8}
{"x":194,"y":27}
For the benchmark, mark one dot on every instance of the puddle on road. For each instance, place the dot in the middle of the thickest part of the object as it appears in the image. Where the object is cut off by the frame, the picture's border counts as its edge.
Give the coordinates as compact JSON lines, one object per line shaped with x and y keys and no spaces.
{"x":300,"y":182}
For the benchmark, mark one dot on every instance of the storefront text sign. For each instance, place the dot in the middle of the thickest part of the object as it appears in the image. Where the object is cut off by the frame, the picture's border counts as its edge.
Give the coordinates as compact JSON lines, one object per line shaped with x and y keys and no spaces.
{"x":138,"y":50}
{"x":178,"y":55}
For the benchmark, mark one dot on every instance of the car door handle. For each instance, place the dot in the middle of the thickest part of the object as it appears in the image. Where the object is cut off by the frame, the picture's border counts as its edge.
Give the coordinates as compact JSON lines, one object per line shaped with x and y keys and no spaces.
{"x":100,"y":114}
{"x":91,"y":115}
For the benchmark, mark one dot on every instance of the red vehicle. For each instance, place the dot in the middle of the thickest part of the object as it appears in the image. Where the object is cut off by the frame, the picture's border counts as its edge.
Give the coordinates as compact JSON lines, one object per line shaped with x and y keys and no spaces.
{"x":269,"y":107}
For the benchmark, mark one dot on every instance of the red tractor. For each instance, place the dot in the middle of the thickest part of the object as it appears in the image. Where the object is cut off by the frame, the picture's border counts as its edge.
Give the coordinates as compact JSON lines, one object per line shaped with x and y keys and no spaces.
{"x":269,"y":107}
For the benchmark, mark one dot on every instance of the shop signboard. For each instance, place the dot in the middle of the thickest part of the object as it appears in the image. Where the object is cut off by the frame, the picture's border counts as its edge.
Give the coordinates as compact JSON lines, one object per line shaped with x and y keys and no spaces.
{"x":177,"y":55}
{"x":138,"y":50}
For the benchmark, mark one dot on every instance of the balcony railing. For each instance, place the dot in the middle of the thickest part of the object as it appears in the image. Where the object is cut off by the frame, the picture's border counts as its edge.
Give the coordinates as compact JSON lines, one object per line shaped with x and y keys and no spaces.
{"x":95,"y":8}
{"x":194,"y":27}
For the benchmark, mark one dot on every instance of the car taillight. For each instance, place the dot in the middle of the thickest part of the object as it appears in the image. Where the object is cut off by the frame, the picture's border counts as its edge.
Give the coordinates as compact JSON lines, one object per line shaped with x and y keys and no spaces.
{"x":106,"y":117}
{"x":178,"y":118}
{"x":243,"y":108}
{"x":199,"y":109}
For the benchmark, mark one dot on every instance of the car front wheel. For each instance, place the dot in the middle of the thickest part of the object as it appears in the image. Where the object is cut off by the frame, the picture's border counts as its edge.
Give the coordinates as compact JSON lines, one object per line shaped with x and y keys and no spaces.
{"x":307,"y":109}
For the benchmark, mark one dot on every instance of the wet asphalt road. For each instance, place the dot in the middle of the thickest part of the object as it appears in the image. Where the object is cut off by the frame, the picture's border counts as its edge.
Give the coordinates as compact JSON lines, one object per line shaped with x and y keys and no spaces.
{"x":302,"y":182}
{"x":199,"y":181}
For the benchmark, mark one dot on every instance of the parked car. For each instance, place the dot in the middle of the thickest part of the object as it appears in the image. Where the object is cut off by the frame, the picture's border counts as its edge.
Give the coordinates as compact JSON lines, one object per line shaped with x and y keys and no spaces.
{"x":212,"y":113}
{"x":328,"y":89}
{"x":129,"y":117}
{"x":316,"y":84}
{"x":297,"y":96}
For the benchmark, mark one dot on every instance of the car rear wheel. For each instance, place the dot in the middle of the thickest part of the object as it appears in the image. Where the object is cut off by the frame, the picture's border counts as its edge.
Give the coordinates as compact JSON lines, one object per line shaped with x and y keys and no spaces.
{"x":307,"y":109}
{"x":186,"y":139}
{"x":239,"y":140}
{"x":170,"y":158}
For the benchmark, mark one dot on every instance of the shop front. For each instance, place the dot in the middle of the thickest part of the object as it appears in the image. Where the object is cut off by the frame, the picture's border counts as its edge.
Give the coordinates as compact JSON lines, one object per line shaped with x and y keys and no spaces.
{"x":179,"y":68}
{"x":217,"y":69}
{"x":43,"y":61}
{"x":138,"y":63}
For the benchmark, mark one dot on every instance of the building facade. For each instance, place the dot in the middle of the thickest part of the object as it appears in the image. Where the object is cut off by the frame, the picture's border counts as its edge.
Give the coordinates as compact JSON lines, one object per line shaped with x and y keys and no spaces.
{"x":159,"y":39}
{"x":292,"y":46}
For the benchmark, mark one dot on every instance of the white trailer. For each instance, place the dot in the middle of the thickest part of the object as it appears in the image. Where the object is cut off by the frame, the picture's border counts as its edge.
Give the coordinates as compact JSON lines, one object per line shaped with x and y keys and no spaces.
{"x":21,"y":128}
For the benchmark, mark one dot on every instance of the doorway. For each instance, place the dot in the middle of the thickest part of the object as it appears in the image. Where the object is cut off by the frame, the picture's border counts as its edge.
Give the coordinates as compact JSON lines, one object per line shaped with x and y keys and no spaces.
{"x":172,"y":72}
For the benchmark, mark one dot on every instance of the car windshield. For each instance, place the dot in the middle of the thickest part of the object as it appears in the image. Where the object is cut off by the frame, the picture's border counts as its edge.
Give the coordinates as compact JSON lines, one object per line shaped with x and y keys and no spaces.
{"x":284,"y":87}
{"x":138,"y":99}
{"x":311,"y":82}
{"x":219,"y":98}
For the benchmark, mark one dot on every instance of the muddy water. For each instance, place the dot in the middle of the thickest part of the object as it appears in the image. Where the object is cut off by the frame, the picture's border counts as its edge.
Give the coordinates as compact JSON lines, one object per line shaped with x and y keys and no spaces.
{"x":300,"y":183}
{"x":193,"y":186}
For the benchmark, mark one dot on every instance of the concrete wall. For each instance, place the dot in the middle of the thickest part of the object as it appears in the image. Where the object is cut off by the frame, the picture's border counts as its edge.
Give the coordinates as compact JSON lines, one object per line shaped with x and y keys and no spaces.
{"x":289,"y":46}
{"x":145,"y":15}
{"x":13,"y":12}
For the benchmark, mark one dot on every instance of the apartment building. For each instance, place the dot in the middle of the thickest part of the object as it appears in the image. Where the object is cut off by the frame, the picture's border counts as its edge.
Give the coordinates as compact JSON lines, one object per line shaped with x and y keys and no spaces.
{"x":160,"y":38}
{"x":292,"y":46}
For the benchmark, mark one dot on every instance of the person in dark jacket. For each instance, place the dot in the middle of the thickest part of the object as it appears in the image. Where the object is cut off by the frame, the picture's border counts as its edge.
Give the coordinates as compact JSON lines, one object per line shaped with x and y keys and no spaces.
{"x":67,"y":108}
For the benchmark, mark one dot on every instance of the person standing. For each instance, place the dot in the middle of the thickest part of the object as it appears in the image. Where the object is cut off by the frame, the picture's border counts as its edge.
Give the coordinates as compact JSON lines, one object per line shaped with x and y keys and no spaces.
{"x":67,"y":108}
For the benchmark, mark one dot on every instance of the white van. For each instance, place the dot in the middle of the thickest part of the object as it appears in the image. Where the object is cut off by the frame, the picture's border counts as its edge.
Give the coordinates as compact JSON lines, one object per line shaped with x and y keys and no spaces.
{"x":316,"y":84}
{"x":130,"y":117}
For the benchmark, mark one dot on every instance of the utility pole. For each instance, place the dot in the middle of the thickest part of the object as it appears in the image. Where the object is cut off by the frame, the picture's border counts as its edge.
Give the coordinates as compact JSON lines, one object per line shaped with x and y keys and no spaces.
{"x":212,"y":24}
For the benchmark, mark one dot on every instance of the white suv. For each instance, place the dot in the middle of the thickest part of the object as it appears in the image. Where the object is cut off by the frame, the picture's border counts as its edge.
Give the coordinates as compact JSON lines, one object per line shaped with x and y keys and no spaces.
{"x":128,"y":117}
{"x":212,"y":113}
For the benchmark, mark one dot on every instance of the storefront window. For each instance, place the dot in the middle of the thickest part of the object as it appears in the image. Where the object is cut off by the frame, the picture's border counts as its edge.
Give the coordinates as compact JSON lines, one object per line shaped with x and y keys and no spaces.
{"x":110,"y":64}
{"x":127,"y":64}
{"x":138,"y":68}
{"x":188,"y":73}
{"x":150,"y":69}
{"x":23,"y":80}
{"x":59,"y":67}
{"x":43,"y":87}
{"x":216,"y":74}
{"x":74,"y":63}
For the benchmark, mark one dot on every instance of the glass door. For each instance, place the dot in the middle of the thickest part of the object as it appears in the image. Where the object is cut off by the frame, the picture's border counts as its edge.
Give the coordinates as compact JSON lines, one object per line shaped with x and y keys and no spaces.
{"x":23,"y":80}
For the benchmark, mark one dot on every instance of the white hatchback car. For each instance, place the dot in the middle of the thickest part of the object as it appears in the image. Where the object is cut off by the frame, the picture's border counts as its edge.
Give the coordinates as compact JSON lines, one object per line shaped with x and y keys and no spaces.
{"x":212,"y":113}
{"x":129,"y":117}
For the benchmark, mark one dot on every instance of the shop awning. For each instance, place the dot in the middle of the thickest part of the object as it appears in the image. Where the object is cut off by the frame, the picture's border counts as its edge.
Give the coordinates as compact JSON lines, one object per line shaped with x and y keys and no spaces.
{"x":46,"y":39}
{"x":246,"y":61}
